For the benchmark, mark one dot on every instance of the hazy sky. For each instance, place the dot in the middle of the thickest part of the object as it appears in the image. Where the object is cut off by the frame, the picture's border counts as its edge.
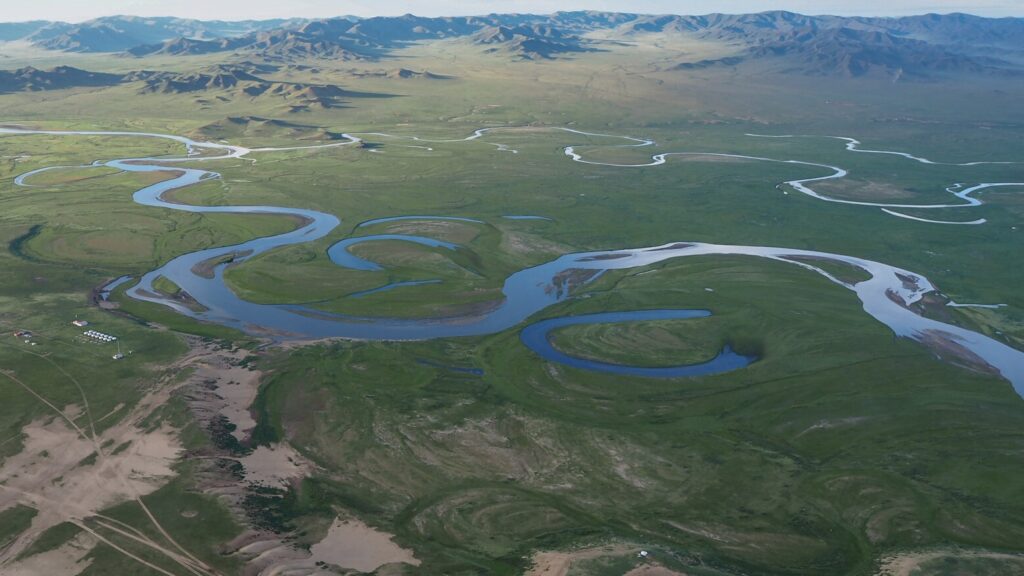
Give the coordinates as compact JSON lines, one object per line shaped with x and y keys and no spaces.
{"x":77,"y":10}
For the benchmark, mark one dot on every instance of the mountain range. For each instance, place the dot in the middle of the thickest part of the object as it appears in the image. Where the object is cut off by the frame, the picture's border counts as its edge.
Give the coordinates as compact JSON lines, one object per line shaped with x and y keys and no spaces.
{"x":224,"y":82}
{"x":914,"y":46}
{"x":119,"y":33}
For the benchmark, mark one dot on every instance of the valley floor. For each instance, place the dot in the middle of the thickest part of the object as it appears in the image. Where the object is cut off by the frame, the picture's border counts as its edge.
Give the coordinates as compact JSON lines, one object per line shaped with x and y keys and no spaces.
{"x":224,"y":447}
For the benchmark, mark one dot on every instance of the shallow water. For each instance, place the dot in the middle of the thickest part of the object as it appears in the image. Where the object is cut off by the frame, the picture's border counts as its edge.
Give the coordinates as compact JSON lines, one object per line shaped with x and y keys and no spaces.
{"x":885,"y":296}
{"x":401,"y":218}
{"x":340,"y":255}
{"x":106,"y":290}
{"x":537,"y":337}
{"x":392,"y":286}
{"x":526,"y":217}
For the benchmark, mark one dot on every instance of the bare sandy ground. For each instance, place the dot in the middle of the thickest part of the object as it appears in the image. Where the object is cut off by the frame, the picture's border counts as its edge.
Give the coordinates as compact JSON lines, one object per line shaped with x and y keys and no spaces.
{"x":61,"y":473}
{"x":275,"y":467}
{"x":239,"y":394}
{"x":70,"y":473}
{"x":348,"y":545}
{"x":911,"y":563}
{"x":558,"y":563}
{"x":268,"y":554}
{"x":354,"y":545}
{"x":68,"y":560}
{"x":221,"y":387}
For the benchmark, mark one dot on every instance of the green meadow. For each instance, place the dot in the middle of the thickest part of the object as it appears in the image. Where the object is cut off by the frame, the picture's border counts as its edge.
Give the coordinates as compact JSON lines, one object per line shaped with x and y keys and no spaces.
{"x":840,"y":446}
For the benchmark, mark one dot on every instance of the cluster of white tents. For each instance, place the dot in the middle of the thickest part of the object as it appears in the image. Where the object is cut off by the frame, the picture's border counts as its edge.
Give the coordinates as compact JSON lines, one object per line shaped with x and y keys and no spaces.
{"x":99,"y":336}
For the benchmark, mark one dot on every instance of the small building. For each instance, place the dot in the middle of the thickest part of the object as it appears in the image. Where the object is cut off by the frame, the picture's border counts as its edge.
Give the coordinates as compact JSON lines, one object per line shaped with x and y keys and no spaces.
{"x":23,"y":334}
{"x":80,"y":323}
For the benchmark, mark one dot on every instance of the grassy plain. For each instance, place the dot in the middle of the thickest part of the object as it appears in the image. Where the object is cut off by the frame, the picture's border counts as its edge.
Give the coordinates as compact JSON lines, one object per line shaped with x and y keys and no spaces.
{"x":842,"y":445}
{"x":791,"y":466}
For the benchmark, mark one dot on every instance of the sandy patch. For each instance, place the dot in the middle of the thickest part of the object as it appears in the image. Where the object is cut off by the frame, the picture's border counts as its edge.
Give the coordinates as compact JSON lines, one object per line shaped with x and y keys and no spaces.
{"x":274,"y":467}
{"x":68,"y":560}
{"x":72,"y":411}
{"x":349,"y":545}
{"x":57,"y":464}
{"x":267,"y":554}
{"x":911,"y":563}
{"x":551,"y":564}
{"x":66,"y":474}
{"x":219,"y":387}
{"x":239,"y":392}
{"x":558,"y":563}
{"x":354,"y":545}
{"x":59,"y":473}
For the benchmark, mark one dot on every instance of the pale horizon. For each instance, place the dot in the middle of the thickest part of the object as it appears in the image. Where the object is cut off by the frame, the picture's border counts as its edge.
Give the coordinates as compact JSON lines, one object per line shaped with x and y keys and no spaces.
{"x":233,"y":10}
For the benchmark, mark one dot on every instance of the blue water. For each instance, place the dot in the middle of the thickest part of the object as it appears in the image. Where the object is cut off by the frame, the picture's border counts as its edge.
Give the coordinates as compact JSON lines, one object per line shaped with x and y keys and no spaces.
{"x":545,"y":218}
{"x":392,"y":286}
{"x":399,"y":218}
{"x":106,"y":290}
{"x":340,"y":255}
{"x":537,"y":337}
{"x":524,"y":293}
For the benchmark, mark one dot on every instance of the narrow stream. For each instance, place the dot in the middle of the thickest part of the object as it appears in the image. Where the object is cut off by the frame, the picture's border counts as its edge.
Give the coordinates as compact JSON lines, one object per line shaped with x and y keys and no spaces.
{"x":886,"y":296}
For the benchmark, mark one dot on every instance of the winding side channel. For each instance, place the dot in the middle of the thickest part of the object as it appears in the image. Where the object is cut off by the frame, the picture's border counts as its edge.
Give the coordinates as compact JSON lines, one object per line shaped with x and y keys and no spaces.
{"x":537,"y":337}
{"x":886,"y":296}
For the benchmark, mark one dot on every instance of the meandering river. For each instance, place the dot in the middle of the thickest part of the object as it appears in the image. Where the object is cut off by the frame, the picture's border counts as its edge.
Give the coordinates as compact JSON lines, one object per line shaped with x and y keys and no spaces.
{"x":888,"y":295}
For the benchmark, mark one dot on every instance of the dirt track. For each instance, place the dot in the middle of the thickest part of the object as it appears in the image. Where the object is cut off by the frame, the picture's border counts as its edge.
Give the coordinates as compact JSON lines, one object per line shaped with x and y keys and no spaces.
{"x":69,"y":473}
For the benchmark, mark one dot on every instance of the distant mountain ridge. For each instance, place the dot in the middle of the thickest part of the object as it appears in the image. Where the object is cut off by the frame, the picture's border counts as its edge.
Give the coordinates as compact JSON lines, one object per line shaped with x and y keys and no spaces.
{"x":850,"y":46}
{"x":530,"y":41}
{"x":119,"y":33}
{"x":852,"y":52}
{"x":949,"y":28}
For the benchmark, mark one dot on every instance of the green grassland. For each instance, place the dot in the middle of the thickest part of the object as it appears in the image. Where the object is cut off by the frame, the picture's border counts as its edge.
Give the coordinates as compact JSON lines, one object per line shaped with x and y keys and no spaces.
{"x":800,"y":463}
{"x":688,"y":200}
{"x":841,"y":445}
{"x":661,"y":343}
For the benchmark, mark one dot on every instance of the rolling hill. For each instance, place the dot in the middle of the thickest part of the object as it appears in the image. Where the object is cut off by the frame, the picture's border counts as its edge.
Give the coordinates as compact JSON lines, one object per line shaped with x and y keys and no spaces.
{"x":58,"y":78}
{"x":228,"y":82}
{"x":235,"y":127}
{"x":225,"y":82}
